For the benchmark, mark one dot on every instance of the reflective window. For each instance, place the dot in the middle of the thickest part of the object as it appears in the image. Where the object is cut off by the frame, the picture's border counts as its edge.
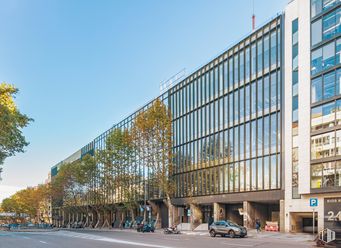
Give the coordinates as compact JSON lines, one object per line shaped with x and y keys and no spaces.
{"x":260,"y":174}
{"x":231,"y":78}
{"x":236,"y":108}
{"x":266,"y":94}
{"x":241,"y":176}
{"x":259,"y":56}
{"x":273,"y":172}
{"x":316,"y":7}
{"x":247,"y":63}
{"x":316,"y":176}
{"x":266,"y":166}
{"x":241,"y":104}
{"x":253,"y":138}
{"x":323,"y":116}
{"x":329,"y":3}
{"x":273,"y":138}
{"x":328,"y":25}
{"x":236,"y":70}
{"x":329,"y":85}
{"x":316,"y":61}
{"x":316,"y":32}
{"x":247,"y":140}
{"x":266,"y":52}
{"x":266,"y":135}
{"x":247,"y":175}
{"x":241,"y":67}
{"x":254,"y":99}
{"x":241,"y":141}
{"x":260,"y":137}
{"x":316,"y":90}
{"x":338,"y":51}
{"x":328,"y":55}
{"x":260,"y":95}
{"x":323,"y":145}
{"x":273,"y":50}
{"x":253,"y":59}
{"x":338,"y":112}
{"x":273,"y":87}
{"x":254,"y":174}
{"x":247,"y":102}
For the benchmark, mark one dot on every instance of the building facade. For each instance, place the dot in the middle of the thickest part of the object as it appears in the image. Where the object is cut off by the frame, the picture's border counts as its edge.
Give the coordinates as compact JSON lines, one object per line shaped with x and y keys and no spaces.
{"x":249,"y":140}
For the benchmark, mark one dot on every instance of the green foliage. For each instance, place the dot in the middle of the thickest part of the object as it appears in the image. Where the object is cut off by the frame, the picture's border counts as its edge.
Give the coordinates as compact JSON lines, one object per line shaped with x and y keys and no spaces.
{"x":152,"y":136}
{"x":26,"y":201}
{"x":12,"y":121}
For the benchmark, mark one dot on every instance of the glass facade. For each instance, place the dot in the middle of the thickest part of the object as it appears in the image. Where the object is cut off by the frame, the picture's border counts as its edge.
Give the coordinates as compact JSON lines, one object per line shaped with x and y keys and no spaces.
{"x":325,"y":94}
{"x":295,"y":99}
{"x":228,"y":140}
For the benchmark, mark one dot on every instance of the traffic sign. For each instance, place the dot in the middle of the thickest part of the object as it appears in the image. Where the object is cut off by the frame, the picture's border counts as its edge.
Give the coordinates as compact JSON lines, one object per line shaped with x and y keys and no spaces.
{"x":313,"y":202}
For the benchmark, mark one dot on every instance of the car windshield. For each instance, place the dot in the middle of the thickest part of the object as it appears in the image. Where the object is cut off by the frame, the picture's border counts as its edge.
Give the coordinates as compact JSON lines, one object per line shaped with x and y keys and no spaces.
{"x":230,"y":223}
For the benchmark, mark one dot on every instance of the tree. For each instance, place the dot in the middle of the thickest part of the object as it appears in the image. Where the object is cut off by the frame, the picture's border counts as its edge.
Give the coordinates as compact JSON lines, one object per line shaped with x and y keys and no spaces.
{"x":117,"y":177}
{"x":152,"y":136}
{"x":12,"y":121}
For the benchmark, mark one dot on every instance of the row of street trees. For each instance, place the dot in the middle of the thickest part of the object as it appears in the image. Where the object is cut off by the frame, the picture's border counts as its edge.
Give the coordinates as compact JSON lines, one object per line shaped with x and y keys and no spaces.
{"x":133,"y":167}
{"x":33,"y":201}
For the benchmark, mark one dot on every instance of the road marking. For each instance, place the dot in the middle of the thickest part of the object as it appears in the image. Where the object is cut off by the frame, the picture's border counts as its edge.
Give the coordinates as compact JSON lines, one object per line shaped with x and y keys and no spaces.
{"x":42,"y":242}
{"x":225,"y":243}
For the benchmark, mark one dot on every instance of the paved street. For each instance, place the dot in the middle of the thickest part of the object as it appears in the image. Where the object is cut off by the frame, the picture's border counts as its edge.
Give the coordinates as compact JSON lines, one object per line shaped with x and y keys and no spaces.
{"x":125,"y":239}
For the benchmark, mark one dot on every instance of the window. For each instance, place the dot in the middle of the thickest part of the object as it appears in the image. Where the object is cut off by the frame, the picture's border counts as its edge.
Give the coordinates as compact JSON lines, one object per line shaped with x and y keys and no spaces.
{"x":260,"y":95}
{"x":316,"y":90}
{"x":247,"y":175}
{"x":231,"y":78}
{"x":273,"y":50}
{"x":338,"y":112}
{"x":247,"y":102}
{"x":253,"y":138}
{"x":329,"y":85}
{"x":338,"y":50}
{"x":316,"y":176}
{"x":236,"y":109}
{"x":273,"y":169}
{"x":259,"y":57}
{"x":316,"y":32}
{"x":253,"y":99}
{"x":273,"y":138}
{"x":247,"y":64}
{"x":328,"y":55}
{"x":241,"y":67}
{"x":273,"y":89}
{"x":260,"y":137}
{"x":247,"y":140}
{"x":316,"y":7}
{"x":328,"y":4}
{"x":266,"y":173}
{"x":266,"y":94}
{"x":241,"y":104}
{"x":241,"y":142}
{"x":328,"y":25}
{"x":323,"y":145}
{"x":260,"y":174}
{"x":323,"y":116}
{"x":328,"y":179}
{"x":266,"y":135}
{"x":236,"y":70}
{"x":254,"y":175}
{"x":241,"y":176}
{"x":316,"y":61}
{"x":266,"y":52}
{"x":253,"y":60}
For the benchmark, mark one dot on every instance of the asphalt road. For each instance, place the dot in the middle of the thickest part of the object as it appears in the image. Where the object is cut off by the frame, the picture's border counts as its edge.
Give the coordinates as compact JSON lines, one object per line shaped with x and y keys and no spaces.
{"x":122,"y":239}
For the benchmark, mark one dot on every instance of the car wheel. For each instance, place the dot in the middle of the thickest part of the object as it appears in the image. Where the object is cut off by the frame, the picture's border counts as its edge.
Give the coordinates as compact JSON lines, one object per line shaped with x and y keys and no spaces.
{"x":231,"y":233}
{"x":212,"y":233}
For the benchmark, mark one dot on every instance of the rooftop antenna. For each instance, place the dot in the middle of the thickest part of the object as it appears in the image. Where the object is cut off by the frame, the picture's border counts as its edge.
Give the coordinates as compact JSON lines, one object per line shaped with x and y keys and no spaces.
{"x":253,"y":16}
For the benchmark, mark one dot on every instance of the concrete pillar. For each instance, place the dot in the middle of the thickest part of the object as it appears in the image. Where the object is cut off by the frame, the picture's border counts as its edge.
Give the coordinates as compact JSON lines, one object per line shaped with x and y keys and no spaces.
{"x":219,"y":211}
{"x":248,"y":215}
{"x":281,"y":216}
{"x":156,"y":212}
{"x":196,"y":216}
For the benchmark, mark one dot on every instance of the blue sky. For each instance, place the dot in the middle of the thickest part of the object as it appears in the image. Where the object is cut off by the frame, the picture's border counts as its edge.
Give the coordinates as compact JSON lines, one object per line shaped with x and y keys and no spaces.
{"x":82,"y":66}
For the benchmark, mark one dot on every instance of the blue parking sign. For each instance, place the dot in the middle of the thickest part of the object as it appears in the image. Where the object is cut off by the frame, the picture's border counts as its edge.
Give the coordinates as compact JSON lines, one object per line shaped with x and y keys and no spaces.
{"x":313,"y":202}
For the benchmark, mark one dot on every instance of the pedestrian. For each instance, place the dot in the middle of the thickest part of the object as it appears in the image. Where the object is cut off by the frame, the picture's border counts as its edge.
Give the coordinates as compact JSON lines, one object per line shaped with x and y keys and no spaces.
{"x":210,"y":221}
{"x":258,"y":226}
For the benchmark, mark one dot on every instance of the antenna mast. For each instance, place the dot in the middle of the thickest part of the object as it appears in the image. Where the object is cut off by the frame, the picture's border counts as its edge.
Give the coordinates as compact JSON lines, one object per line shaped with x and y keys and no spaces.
{"x":253,"y":16}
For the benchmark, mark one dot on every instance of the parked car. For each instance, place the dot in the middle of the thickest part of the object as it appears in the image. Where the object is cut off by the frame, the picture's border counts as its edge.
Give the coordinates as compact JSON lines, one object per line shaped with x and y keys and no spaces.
{"x":227,"y":228}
